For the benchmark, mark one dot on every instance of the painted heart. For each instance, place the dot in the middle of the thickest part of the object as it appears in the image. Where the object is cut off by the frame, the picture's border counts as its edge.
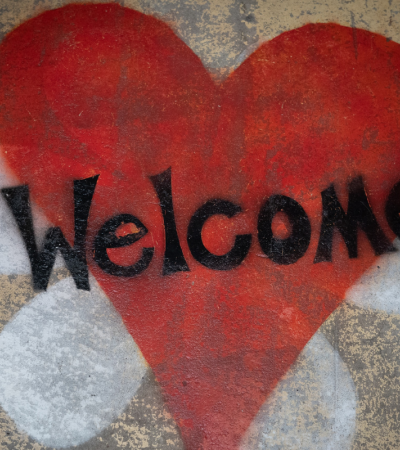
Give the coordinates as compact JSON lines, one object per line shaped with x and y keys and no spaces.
{"x":101,"y":89}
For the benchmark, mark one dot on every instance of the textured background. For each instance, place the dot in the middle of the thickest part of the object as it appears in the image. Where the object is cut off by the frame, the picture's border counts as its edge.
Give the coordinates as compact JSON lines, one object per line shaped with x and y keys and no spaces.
{"x":342,"y":393}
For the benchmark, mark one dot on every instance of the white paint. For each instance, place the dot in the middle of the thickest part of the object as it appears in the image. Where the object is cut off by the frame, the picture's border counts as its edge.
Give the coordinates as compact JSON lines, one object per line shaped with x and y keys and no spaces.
{"x":312,"y":408}
{"x":68,"y":365}
{"x":379,"y":287}
{"x":13,"y":256}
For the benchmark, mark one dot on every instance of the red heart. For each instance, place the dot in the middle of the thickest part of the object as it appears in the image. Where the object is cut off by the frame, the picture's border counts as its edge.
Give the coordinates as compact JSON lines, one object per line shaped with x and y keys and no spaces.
{"x":100,"y":89}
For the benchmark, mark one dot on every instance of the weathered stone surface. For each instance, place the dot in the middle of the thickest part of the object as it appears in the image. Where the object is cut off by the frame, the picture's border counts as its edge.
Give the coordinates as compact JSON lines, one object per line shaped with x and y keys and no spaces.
{"x":336,"y":396}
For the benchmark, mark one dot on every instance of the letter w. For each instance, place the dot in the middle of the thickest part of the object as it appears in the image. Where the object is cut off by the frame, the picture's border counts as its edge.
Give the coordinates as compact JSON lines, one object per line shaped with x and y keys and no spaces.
{"x":42,"y":262}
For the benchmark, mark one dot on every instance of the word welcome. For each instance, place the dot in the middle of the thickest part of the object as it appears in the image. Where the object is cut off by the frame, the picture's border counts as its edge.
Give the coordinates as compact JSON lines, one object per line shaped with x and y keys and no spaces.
{"x":281,"y":251}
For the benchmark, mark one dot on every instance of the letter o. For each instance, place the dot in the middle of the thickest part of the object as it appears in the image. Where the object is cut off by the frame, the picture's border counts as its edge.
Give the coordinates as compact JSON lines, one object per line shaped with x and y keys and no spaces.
{"x":289,"y":250}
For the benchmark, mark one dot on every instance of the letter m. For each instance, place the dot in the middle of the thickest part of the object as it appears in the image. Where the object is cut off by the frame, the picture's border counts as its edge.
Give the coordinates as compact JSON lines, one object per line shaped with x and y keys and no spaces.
{"x":359,"y":215}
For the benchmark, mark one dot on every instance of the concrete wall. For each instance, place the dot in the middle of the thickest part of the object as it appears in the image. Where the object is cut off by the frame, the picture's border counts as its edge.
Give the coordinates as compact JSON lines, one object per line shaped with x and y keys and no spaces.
{"x":73,"y":374}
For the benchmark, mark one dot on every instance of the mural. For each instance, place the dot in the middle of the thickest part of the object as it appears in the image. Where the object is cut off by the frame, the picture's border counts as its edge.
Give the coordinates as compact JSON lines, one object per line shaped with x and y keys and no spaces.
{"x":178,"y":243}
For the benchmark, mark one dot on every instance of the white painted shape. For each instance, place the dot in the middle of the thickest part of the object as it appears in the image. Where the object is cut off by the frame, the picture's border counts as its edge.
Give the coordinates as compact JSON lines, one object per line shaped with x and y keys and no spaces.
{"x":312,"y":408}
{"x":13,"y":256}
{"x":379,"y":287}
{"x":68,"y":365}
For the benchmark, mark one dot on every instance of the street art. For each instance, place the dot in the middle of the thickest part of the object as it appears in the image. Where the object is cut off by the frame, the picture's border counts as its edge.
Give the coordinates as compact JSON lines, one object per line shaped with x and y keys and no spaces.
{"x":209,"y":227}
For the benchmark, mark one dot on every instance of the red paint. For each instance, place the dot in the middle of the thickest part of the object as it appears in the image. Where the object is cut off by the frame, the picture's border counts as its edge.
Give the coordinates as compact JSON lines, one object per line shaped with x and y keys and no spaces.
{"x":101,"y":89}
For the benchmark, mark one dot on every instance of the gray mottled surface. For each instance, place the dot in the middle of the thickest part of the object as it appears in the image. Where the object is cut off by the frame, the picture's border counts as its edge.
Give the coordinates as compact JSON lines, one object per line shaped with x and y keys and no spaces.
{"x":379,"y":287}
{"x":368,"y":343}
{"x":313,"y":407}
{"x":66,"y":356}
{"x":223,"y":32}
{"x":144,"y":424}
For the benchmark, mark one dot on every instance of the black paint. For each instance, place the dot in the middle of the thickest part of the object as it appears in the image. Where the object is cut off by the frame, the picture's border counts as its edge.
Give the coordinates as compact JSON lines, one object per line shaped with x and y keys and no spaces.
{"x":359,"y":214}
{"x":174,"y":261}
{"x":392,"y":209}
{"x":42,"y":262}
{"x":106,"y":238}
{"x":289,"y":250}
{"x":238,"y":252}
